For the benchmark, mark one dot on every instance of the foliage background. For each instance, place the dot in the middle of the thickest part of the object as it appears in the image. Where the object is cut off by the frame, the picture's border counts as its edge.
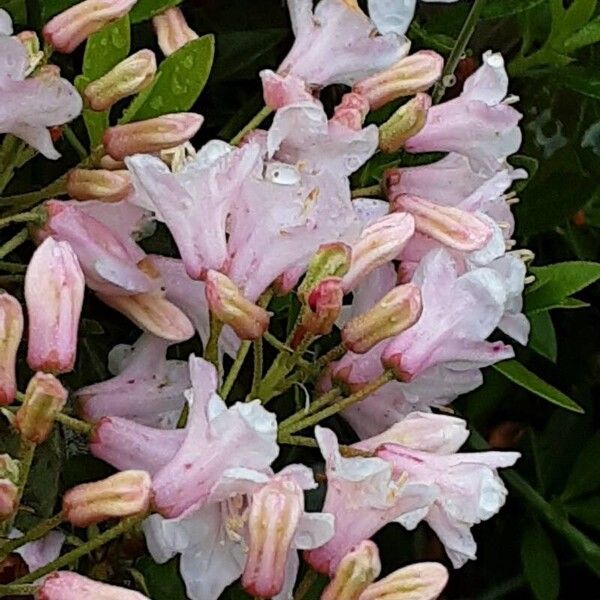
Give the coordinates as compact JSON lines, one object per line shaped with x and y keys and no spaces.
{"x":543,"y":544}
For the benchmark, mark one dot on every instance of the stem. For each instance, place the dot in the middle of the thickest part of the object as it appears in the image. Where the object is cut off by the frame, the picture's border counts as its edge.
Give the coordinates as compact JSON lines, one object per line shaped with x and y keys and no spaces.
{"x":372,"y":190}
{"x":319,"y":403}
{"x":459,"y":49}
{"x":257,"y":346}
{"x":309,"y":579}
{"x":74,"y":424}
{"x":20,"y":589}
{"x":278,"y":345}
{"x":62,"y":561}
{"x":11,"y":267}
{"x":25,"y":217}
{"x":211,"y":352}
{"x":74,"y":141}
{"x":371,"y":387}
{"x":25,"y":461}
{"x":14,"y":242}
{"x":307,"y":442}
{"x":333,"y":354}
{"x":56,"y":188}
{"x":34,"y":533}
{"x":264,"y":112}
{"x":236,"y":367}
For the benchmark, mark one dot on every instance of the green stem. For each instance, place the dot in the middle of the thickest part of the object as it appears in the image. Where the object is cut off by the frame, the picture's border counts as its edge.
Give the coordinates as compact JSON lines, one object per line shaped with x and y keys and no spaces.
{"x":314,"y":419}
{"x":56,"y":188}
{"x":40,"y":530}
{"x":278,"y":345}
{"x":236,"y":367}
{"x":75,"y":143}
{"x":20,"y":589}
{"x":14,"y":242}
{"x":364,"y":192}
{"x":334,"y":354}
{"x":70,"y":557}
{"x":308,"y":442}
{"x":9,"y":157}
{"x":25,"y":460}
{"x":11,"y":267}
{"x":74,"y":424}
{"x":24,"y":217}
{"x":211,"y":352}
{"x":459,"y":48}
{"x":309,"y":579}
{"x":251,"y":125}
{"x":319,"y":403}
{"x":257,"y":347}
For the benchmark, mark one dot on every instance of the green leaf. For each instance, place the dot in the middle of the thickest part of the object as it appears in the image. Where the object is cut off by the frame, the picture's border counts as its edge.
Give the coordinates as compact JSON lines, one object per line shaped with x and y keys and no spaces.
{"x":585,"y":475}
{"x":585,"y":81}
{"x":182,"y":77}
{"x":146,"y":9}
{"x":530,"y":164}
{"x":163,"y":581}
{"x":576,"y":16}
{"x":540,"y":563}
{"x":497,"y":9}
{"x":557,"y":282}
{"x":543,"y":335}
{"x":96,"y":122}
{"x":587,"y":511}
{"x":586,"y":36}
{"x":107,"y":48}
{"x":522,"y":376}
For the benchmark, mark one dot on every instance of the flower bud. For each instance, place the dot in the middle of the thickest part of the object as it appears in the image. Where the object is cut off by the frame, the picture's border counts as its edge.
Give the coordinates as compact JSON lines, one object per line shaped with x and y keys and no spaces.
{"x":379,"y":243}
{"x":66,"y":585}
{"x":129,"y":77}
{"x":453,"y":227}
{"x":11,"y":331}
{"x":152,"y":312}
{"x":407,"y":121}
{"x":44,"y":398}
{"x":274,"y":516}
{"x":414,"y":73}
{"x":100,"y":184}
{"x":122,"y":495}
{"x":110,"y":164}
{"x":421,"y":581}
{"x":73,"y":26}
{"x":356,"y":571}
{"x":228,"y":304}
{"x":172,"y":30}
{"x":153,"y":135}
{"x":54,"y":288}
{"x":330,"y":260}
{"x":322,"y":308}
{"x":9,"y":468}
{"x":351,"y":112}
{"x":9,"y":493}
{"x":398,"y":310}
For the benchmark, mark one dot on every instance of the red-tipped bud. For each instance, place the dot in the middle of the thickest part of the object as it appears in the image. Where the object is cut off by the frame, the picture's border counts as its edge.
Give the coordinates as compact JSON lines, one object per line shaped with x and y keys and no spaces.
{"x":172,"y":30}
{"x":274,"y":516}
{"x":453,"y":227}
{"x":11,"y":331}
{"x":395,"y":312}
{"x":73,"y":26}
{"x":415,"y":73}
{"x":100,"y":184}
{"x":45,"y":397}
{"x":66,"y":585}
{"x":356,"y":571}
{"x":122,"y":495}
{"x":153,"y":135}
{"x":323,"y":307}
{"x":406,"y":122}
{"x":127,"y":78}
{"x":422,"y":581}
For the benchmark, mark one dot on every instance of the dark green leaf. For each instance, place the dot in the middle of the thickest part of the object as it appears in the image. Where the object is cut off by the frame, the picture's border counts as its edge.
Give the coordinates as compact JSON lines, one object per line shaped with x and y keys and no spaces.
{"x":146,"y":9}
{"x":543,"y":335}
{"x":587,"y":511}
{"x":183,"y":76}
{"x":497,"y":9}
{"x":107,"y":48}
{"x":540,"y":563}
{"x":522,"y":376}
{"x":530,"y":164}
{"x":163,"y":581}
{"x":580,"y":79}
{"x":587,"y":35}
{"x":585,"y":475}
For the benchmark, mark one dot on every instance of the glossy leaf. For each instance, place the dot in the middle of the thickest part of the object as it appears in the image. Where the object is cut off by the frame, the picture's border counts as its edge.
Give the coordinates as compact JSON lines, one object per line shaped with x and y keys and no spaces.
{"x":540,"y":563}
{"x":586,"y":36}
{"x":107,"y":48}
{"x":542,"y":338}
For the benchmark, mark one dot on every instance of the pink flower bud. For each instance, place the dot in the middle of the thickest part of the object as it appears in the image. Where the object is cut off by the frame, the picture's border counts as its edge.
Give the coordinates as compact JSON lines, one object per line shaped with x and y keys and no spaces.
{"x":228,"y":304}
{"x":122,"y":495}
{"x":110,"y":164}
{"x":322,"y":308}
{"x":453,"y":227}
{"x":274,"y":516}
{"x":66,"y":585}
{"x":378,"y":244}
{"x":330,"y":260}
{"x":54,"y":288}
{"x":172,"y":30}
{"x":414,"y":73}
{"x":100,"y":184}
{"x":129,"y":77}
{"x":398,"y":310}
{"x":153,"y":135}
{"x":351,"y":111}
{"x":356,"y":571}
{"x":8,"y":498}
{"x":421,"y":581}
{"x":44,"y":398}
{"x":406,"y":122}
{"x":73,"y":26}
{"x":11,"y":331}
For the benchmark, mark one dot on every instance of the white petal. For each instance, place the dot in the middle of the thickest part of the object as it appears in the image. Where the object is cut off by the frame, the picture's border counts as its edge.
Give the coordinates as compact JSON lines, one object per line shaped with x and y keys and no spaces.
{"x":314,"y":530}
{"x":392,"y":16}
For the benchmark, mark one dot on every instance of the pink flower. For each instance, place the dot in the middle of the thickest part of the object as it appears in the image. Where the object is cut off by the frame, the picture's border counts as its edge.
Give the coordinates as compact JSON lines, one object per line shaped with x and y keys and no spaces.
{"x":279,"y":91}
{"x":172,"y":30}
{"x":11,"y":331}
{"x":28,"y":106}
{"x":147,"y":388}
{"x":392,"y":16}
{"x":40,"y":552}
{"x":6,"y":27}
{"x":66,"y":585}
{"x":242,"y":436}
{"x":337,"y":44}
{"x":54,"y":288}
{"x":479,"y":124}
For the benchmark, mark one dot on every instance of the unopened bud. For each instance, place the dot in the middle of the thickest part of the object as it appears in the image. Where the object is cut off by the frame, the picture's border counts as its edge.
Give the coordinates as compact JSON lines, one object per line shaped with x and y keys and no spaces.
{"x":351,"y":111}
{"x":73,"y":26}
{"x":413,"y":74}
{"x":378,"y":244}
{"x":99,"y":184}
{"x":153,"y":135}
{"x":11,"y":331}
{"x":122,"y":495}
{"x":228,"y":305}
{"x":406,"y":122}
{"x":110,"y":164}
{"x":274,"y":516}
{"x":66,"y":585}
{"x":172,"y":30}
{"x":356,"y":571}
{"x":127,"y":78}
{"x":398,"y":310}
{"x":421,"y":581}
{"x":453,"y":227}
{"x":9,"y":493}
{"x":323,"y":307}
{"x":45,"y":397}
{"x":330,"y":260}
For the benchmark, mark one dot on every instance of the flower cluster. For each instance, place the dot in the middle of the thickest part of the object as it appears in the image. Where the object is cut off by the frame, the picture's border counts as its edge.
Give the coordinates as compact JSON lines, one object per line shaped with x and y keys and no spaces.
{"x":416,"y":276}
